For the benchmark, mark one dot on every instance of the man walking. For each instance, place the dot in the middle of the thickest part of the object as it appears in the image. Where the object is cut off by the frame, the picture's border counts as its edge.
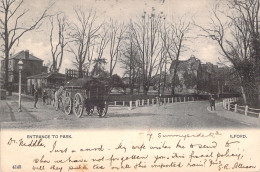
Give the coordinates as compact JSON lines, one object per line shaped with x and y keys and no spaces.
{"x":44,"y":97}
{"x":212,"y":102}
{"x":57,"y":97}
{"x":35,"y":97}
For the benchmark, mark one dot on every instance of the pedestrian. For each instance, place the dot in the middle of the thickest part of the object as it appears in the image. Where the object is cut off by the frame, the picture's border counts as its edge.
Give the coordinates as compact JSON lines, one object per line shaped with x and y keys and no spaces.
{"x":57,"y":97}
{"x":160,"y":99}
{"x":212,"y":103}
{"x":35,"y":97}
{"x":53,"y":97}
{"x":32,"y":90}
{"x":49,"y":95}
{"x":44,"y":97}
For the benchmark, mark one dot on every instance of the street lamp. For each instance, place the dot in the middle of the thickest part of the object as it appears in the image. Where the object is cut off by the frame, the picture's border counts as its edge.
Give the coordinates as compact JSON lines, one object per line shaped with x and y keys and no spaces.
{"x":20,"y":67}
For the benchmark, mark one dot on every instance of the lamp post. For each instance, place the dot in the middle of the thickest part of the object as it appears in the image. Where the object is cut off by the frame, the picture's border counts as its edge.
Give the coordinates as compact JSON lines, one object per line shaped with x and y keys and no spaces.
{"x":20,"y":67}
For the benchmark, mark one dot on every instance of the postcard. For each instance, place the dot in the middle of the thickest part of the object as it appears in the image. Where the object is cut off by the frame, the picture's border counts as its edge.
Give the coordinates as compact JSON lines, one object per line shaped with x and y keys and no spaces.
{"x":115,"y":85}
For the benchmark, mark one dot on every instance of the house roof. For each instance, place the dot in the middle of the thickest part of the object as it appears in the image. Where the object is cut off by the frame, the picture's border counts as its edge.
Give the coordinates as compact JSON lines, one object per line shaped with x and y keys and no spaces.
{"x":53,"y":75}
{"x":192,"y":63}
{"x":21,"y":55}
{"x":86,"y":83}
{"x":209,"y":67}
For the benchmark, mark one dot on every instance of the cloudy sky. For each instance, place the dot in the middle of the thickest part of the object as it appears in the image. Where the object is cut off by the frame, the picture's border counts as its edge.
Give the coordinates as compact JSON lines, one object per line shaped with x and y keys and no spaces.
{"x":37,"y":42}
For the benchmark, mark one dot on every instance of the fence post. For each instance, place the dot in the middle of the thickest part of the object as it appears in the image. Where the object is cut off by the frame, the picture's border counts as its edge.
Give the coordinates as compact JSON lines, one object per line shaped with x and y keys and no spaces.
{"x":184,"y":99}
{"x":130,"y":105}
{"x":235,"y":107}
{"x":123,"y":103}
{"x":228,"y":105}
{"x":164,"y":100}
{"x":115,"y":103}
{"x":157,"y":101}
{"x":224,"y":104}
{"x":152,"y":101}
{"x":168,"y":100}
{"x":246,"y":110}
{"x":172,"y":99}
{"x":136,"y":103}
{"x":148,"y":102}
{"x":143,"y":102}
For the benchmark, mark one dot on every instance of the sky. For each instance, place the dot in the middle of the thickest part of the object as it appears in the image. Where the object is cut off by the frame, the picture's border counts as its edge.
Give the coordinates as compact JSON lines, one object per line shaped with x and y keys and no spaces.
{"x":37,"y":42}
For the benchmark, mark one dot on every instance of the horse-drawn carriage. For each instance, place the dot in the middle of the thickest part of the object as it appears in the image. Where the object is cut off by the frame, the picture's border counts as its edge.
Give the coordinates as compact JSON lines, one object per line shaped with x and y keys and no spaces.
{"x":84,"y":94}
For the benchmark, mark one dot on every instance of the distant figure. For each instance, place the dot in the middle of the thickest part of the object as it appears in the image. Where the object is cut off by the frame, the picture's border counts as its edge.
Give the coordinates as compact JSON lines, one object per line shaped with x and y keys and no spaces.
{"x":212,"y":102}
{"x":57,"y":97}
{"x":53,"y":97}
{"x":35,"y":97}
{"x":49,"y":96}
{"x":160,"y":100}
{"x":44,"y":97}
{"x":32,"y":90}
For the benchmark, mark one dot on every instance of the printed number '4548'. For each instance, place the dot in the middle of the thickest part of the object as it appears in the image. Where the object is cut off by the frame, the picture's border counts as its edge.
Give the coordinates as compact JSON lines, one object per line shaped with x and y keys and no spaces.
{"x":17,"y":166}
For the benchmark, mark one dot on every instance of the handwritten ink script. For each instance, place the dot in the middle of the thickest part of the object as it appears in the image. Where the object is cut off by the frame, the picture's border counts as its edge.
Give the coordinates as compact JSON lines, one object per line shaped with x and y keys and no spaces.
{"x":144,"y":151}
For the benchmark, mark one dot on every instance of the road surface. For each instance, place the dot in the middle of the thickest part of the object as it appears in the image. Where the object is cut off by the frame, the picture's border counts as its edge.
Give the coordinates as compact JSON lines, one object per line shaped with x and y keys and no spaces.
{"x":188,"y":115}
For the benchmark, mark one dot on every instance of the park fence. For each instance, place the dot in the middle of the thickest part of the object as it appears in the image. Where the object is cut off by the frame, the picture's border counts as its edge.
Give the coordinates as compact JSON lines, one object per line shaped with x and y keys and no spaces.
{"x":154,"y":101}
{"x":231,"y":105}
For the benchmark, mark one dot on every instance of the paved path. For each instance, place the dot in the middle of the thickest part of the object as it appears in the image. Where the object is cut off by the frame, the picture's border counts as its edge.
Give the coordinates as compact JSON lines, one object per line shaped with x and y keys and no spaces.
{"x":186,"y":115}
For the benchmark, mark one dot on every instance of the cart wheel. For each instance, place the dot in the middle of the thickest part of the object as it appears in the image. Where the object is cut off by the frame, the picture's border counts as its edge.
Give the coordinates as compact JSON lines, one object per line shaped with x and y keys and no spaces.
{"x":67,"y":105}
{"x":78,"y":105}
{"x":90,"y":110}
{"x":102,"y":110}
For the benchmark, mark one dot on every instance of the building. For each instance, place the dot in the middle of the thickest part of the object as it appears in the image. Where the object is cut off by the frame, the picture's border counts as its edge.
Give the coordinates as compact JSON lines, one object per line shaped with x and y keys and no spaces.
{"x":32,"y":65}
{"x":195,"y":77}
{"x":45,"y":80}
{"x":189,"y":75}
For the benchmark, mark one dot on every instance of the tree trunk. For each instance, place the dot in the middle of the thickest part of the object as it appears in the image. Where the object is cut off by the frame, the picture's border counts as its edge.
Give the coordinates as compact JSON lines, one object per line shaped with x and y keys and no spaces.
{"x":164,"y":80}
{"x":159,"y":84}
{"x":6,"y":34}
{"x":174,"y":78}
{"x":243,"y":91}
{"x":80,"y":70}
{"x":6,"y":72}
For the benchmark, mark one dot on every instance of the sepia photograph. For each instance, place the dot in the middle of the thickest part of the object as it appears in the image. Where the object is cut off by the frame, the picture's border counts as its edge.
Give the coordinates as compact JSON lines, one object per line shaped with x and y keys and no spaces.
{"x":109,"y":69}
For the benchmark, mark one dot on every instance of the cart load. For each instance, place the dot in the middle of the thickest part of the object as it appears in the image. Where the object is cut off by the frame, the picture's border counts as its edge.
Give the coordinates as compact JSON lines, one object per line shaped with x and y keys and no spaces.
{"x":85,"y":94}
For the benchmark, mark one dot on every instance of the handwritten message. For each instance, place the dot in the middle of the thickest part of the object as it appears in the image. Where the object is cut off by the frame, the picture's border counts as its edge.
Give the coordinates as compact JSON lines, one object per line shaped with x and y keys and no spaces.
{"x":128,"y":151}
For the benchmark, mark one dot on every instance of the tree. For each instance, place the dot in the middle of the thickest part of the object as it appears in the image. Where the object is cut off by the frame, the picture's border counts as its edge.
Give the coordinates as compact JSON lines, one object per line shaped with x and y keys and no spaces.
{"x":115,"y":42}
{"x":147,"y":38}
{"x":12,"y":28}
{"x":237,"y":36}
{"x":99,"y":68}
{"x":82,"y":37}
{"x":57,"y":51}
{"x":99,"y":61}
{"x":162,"y":71}
{"x":131,"y":60}
{"x":173,"y":36}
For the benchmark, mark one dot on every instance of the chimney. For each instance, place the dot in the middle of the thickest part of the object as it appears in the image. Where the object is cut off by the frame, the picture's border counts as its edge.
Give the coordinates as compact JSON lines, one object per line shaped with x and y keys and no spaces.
{"x":26,"y":54}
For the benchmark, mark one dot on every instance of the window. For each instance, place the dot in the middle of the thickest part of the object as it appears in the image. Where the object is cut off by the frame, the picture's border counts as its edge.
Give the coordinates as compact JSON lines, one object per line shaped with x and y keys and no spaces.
{"x":3,"y":65}
{"x":10,"y":64}
{"x":11,"y":78}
